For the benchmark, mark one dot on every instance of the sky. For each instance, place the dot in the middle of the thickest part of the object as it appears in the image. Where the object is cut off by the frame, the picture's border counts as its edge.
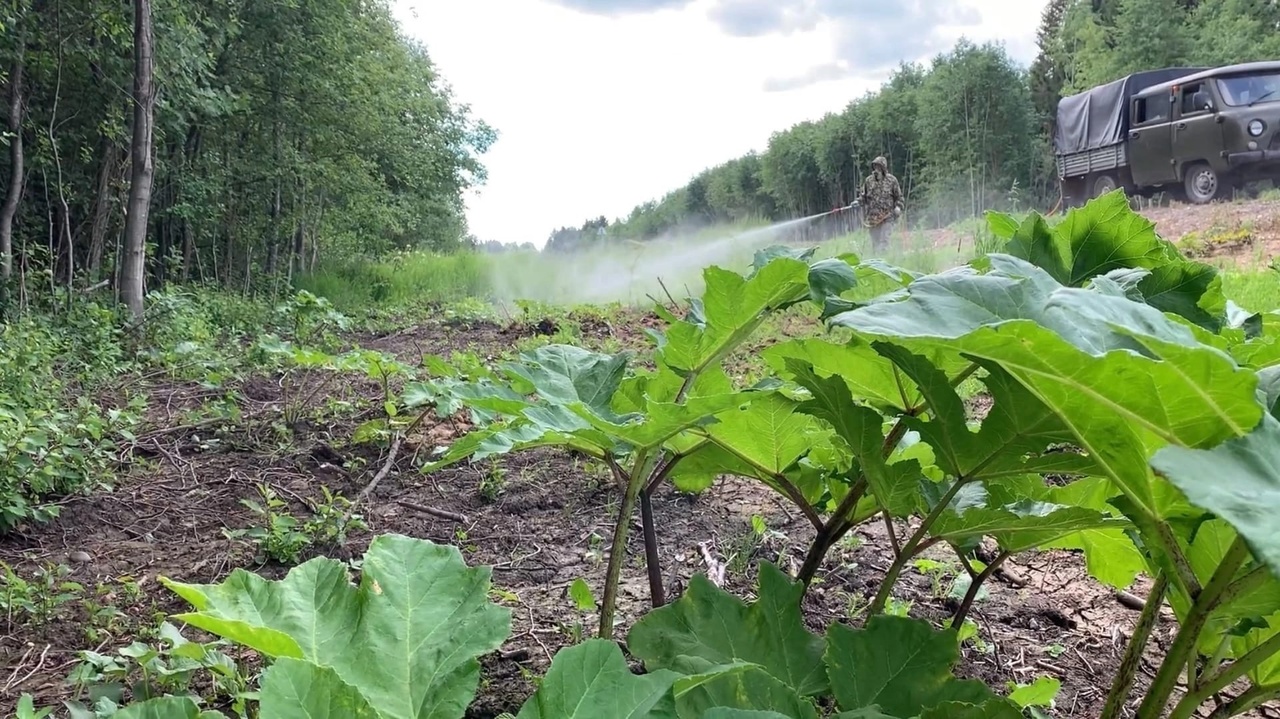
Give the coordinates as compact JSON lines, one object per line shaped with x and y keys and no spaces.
{"x":601,"y":105}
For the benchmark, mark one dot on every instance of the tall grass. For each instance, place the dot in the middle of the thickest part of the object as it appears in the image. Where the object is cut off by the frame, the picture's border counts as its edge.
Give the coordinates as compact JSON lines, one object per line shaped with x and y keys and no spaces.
{"x":406,"y":279}
{"x":1256,"y":290}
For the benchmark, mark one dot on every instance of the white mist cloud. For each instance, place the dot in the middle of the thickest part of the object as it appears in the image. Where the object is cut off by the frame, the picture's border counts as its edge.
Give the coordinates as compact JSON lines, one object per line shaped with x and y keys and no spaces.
{"x":603,"y":105}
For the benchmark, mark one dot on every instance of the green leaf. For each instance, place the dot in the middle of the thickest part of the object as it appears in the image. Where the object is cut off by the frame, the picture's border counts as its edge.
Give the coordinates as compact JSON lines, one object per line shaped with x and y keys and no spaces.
{"x":740,"y":685}
{"x":768,"y":433}
{"x":161,"y":708}
{"x":581,"y":595}
{"x":1040,"y":693}
{"x":1117,"y":373}
{"x":894,"y":485}
{"x":732,"y":307}
{"x":1002,"y":225}
{"x":901,"y":665}
{"x":1111,"y":557}
{"x":407,"y":638}
{"x":1022,"y":526}
{"x":713,"y":625}
{"x":592,"y":681}
{"x":992,"y":709}
{"x":830,"y":278}
{"x":869,"y":376}
{"x":565,"y":374}
{"x":1105,"y":236}
{"x":1239,"y":480}
{"x":294,"y":689}
{"x":726,"y":713}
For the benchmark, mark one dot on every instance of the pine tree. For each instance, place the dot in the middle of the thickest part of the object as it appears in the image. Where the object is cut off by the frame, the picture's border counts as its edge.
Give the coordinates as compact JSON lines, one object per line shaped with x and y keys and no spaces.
{"x":1047,"y":72}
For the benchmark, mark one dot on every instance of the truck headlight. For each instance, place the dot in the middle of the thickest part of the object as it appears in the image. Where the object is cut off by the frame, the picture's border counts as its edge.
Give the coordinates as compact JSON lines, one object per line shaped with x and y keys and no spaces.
{"x":1257,"y":127}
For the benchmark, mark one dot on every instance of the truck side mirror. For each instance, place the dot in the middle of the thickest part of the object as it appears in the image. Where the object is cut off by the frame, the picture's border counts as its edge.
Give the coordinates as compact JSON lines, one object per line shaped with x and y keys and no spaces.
{"x":1201,"y":101}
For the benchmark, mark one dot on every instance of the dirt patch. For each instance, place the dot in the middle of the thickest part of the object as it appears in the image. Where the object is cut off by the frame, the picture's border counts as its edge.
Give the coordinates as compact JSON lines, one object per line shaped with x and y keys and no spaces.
{"x":541,"y":519}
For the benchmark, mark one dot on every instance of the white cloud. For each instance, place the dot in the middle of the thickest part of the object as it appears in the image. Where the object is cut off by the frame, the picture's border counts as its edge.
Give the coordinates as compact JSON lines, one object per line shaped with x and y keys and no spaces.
{"x":600,"y":109}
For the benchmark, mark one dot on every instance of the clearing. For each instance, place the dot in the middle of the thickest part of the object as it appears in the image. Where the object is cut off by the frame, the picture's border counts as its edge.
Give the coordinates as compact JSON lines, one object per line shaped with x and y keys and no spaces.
{"x":541,"y":519}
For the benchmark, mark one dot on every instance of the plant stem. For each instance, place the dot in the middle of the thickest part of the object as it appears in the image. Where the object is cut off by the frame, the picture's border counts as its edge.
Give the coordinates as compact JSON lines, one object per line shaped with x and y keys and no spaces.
{"x":893,"y":535}
{"x":835,"y":528}
{"x":657,"y":594}
{"x":618,"y":551}
{"x":1128,"y":671}
{"x":1251,"y":699}
{"x":839,"y":523}
{"x":1184,"y":644}
{"x":974,"y":585}
{"x":909,"y":549}
{"x":1222,"y":679}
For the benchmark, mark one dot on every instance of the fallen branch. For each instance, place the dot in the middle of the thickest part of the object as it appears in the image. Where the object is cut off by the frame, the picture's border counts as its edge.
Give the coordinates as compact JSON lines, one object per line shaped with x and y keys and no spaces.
{"x":1131,"y":601}
{"x":382,"y":473}
{"x":715,"y":569}
{"x":441,"y":513}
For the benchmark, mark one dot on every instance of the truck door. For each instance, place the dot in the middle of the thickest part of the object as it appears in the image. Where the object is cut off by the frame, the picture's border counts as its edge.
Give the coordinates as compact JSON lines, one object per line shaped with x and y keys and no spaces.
{"x":1151,"y":141}
{"x":1197,"y":134}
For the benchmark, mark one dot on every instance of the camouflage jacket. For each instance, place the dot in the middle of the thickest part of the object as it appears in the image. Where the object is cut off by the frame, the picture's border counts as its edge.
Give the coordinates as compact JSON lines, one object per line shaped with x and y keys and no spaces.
{"x":879,"y":197}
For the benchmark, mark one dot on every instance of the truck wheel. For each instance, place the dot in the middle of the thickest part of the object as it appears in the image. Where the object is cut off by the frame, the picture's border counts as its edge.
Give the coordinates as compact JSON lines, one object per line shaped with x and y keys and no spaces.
{"x":1202,"y":184}
{"x":1103,"y":184}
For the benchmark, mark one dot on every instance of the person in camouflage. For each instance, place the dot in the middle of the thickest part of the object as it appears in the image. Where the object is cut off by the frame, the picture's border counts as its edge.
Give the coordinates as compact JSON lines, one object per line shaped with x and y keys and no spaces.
{"x":881,"y":200}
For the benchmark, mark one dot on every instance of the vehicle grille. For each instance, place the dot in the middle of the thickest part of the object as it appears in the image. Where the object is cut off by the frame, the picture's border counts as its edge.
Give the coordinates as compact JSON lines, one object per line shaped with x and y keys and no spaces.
{"x":1275,"y":141}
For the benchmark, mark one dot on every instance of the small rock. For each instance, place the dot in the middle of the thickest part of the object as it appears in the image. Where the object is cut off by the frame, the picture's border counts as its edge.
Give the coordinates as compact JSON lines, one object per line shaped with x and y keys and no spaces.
{"x":80,"y":557}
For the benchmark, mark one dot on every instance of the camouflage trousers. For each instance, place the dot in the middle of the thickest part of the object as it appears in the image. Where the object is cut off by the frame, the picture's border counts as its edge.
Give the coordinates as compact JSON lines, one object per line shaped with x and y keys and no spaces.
{"x":880,"y":235}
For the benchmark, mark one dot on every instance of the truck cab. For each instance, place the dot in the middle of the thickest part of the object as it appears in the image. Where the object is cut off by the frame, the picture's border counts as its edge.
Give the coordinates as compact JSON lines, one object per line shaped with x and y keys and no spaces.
{"x":1208,"y":132}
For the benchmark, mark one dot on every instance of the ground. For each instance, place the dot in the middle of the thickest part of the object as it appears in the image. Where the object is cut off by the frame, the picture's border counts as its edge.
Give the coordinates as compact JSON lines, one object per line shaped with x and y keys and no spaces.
{"x":540,"y":519}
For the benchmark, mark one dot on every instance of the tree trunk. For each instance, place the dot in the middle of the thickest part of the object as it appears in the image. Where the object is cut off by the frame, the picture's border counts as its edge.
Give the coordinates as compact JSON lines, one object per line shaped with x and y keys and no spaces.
{"x":102,"y":208}
{"x":13,"y":194}
{"x":135,"y":232}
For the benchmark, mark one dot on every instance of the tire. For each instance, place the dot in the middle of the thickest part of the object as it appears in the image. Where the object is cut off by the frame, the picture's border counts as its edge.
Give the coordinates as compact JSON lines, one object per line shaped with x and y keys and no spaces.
{"x":1102,"y":184}
{"x":1202,"y":184}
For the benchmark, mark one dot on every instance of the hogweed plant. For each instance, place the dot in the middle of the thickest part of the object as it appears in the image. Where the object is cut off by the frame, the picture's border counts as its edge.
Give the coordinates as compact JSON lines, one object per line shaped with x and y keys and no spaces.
{"x":1134,"y":418}
{"x":1111,"y":361}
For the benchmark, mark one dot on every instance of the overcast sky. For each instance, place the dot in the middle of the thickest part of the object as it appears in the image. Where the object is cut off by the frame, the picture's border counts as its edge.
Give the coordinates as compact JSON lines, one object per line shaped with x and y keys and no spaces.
{"x":603,"y":104}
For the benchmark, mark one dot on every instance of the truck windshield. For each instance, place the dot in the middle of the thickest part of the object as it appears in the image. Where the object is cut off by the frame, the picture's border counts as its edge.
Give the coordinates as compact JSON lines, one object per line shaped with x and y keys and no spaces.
{"x":1245,"y":89}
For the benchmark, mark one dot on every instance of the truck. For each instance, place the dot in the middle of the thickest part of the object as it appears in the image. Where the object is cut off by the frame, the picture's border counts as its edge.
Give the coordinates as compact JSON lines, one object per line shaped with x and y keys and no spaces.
{"x":1195,"y":133}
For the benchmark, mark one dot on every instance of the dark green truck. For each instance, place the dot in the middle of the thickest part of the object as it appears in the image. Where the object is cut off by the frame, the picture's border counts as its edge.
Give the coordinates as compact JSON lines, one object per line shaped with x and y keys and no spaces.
{"x":1193,"y":132}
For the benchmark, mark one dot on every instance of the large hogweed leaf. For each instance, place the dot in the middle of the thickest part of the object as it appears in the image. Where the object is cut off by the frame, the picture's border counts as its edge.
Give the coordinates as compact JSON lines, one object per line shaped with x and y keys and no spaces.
{"x":1106,"y":238}
{"x":1123,"y":377}
{"x":405,"y":641}
{"x":898,"y":665}
{"x":719,"y":628}
{"x":592,"y":681}
{"x":1238,"y":480}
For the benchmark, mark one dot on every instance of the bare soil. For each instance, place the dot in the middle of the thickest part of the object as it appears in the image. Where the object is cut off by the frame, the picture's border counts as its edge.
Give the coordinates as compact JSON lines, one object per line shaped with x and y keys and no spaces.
{"x":545,"y":525}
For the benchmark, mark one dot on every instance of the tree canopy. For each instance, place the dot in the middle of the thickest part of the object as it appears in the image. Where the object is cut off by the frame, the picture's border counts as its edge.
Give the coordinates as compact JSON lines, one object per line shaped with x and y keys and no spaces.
{"x":282,"y":130}
{"x":966,"y":132}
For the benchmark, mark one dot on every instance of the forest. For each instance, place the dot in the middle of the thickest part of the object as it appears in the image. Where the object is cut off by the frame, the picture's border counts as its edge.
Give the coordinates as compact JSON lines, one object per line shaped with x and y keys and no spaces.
{"x":968,"y":131}
{"x":219,"y":141}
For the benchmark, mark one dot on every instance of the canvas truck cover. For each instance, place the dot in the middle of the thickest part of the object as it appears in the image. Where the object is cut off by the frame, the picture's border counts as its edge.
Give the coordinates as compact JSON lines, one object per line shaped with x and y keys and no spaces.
{"x":1100,"y":116}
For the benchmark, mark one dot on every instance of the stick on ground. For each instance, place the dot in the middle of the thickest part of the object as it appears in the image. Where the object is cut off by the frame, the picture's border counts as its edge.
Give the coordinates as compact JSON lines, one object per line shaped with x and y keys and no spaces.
{"x":382,"y":473}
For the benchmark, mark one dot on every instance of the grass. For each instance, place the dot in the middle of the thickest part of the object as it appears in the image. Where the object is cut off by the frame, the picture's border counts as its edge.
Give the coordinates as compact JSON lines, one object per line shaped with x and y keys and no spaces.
{"x":404,"y":280}
{"x":633,"y":273}
{"x":1257,"y":290}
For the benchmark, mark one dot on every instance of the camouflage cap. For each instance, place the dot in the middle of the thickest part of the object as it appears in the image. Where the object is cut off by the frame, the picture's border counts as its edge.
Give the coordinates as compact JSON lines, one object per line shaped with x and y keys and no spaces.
{"x":880,"y":162}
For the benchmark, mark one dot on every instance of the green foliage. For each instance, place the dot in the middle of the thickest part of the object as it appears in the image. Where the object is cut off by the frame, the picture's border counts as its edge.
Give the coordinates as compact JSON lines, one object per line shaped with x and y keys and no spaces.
{"x":708,"y":653}
{"x":172,"y":671}
{"x":52,"y":445}
{"x":644,"y":425}
{"x":1109,"y":358}
{"x":401,"y":645}
{"x":284,"y":134}
{"x":403,"y":280}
